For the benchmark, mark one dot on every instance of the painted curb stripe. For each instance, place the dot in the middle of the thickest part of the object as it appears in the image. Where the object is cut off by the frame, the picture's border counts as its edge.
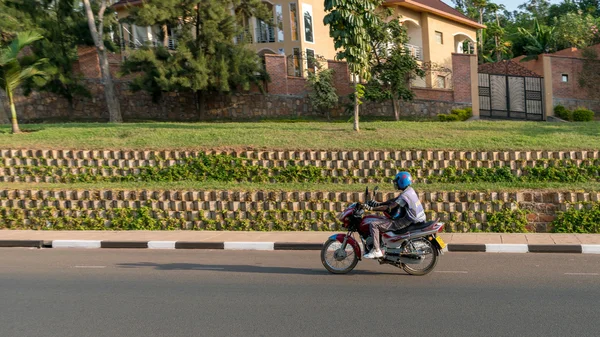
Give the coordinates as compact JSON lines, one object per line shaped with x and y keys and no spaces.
{"x":555,"y":249}
{"x":248,"y":245}
{"x":161,"y":244}
{"x":124,"y":244}
{"x":199,"y":245}
{"x":76,"y":244}
{"x":506,"y":248}
{"x":590,"y":249}
{"x":466,"y":247}
{"x":21,"y":243}
{"x":297,"y":246}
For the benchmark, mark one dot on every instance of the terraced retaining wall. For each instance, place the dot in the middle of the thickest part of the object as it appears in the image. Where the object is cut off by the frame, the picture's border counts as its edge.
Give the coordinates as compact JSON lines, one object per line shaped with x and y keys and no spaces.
{"x":335,"y":166}
{"x":261,"y":210}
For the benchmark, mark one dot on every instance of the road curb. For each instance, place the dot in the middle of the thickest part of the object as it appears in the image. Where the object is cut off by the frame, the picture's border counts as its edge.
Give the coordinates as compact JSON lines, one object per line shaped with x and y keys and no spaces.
{"x":268,"y":246}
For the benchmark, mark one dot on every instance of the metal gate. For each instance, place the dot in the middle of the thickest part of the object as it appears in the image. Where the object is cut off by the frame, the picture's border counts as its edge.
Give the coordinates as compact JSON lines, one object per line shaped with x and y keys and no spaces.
{"x":513,"y":97}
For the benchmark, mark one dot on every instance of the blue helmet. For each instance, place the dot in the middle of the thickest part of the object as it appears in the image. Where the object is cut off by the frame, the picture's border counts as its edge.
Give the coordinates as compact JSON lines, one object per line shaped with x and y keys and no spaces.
{"x":402,"y":180}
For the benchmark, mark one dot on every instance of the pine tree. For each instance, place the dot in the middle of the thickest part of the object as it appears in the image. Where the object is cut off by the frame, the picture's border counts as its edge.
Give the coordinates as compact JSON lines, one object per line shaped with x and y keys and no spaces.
{"x":206,"y":59}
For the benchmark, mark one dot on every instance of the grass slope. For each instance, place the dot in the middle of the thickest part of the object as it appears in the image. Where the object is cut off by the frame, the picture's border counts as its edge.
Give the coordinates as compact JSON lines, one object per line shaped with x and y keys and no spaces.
{"x":480,"y":135}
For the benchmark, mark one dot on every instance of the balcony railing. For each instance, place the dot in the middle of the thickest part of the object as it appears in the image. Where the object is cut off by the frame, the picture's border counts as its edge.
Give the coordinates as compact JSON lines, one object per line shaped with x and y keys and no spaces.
{"x":415,"y":51}
{"x":265,"y":34}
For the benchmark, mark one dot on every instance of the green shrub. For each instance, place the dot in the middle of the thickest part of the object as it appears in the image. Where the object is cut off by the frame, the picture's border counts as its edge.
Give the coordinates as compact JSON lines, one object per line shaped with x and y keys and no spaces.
{"x":562,"y":112}
{"x":583,"y":115}
{"x":448,"y":118}
{"x":585,"y":220}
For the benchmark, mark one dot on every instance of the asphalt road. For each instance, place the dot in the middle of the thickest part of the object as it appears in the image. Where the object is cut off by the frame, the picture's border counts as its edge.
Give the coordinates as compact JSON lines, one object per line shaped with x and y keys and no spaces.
{"x":227,"y":293}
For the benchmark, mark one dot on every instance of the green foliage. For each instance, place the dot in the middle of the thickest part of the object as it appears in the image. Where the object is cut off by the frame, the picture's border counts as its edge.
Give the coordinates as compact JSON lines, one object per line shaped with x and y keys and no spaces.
{"x":13,"y":73}
{"x":562,"y":112}
{"x":583,"y":115}
{"x":575,"y":30}
{"x":393,"y":67}
{"x":206,"y":59}
{"x":456,"y":115}
{"x":322,"y":95}
{"x":448,"y":118}
{"x":508,"y":221}
{"x":583,"y":220}
{"x":349,"y":25}
{"x":539,"y":41}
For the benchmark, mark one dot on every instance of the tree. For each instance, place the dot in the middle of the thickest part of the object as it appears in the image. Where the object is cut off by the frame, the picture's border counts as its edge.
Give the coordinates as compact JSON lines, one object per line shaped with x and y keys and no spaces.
{"x":12,"y":74}
{"x":206,"y":59}
{"x":575,"y":30}
{"x":63,"y":26}
{"x":393,"y":67}
{"x":112,"y":102}
{"x":322,"y":94}
{"x":539,"y":9}
{"x":538,"y":42}
{"x":349,"y":24}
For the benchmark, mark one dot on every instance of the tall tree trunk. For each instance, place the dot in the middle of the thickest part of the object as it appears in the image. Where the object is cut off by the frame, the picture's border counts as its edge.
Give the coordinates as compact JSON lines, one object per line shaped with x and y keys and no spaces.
{"x":396,"y":107}
{"x":165,"y":30}
{"x":13,"y":113}
{"x":112,"y":102}
{"x":356,"y":106}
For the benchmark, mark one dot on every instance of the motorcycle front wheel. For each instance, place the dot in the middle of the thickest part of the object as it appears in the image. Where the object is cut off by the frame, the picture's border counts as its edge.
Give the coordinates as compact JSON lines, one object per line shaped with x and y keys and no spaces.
{"x":337,"y":260}
{"x":428,"y":254}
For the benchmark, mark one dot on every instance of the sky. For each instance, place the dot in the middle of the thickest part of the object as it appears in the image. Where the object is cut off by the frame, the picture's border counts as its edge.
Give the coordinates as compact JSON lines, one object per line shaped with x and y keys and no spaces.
{"x":511,"y":5}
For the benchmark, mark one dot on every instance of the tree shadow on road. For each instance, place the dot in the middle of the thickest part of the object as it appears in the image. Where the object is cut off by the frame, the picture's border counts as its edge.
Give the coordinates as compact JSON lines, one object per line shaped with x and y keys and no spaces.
{"x":241,"y":268}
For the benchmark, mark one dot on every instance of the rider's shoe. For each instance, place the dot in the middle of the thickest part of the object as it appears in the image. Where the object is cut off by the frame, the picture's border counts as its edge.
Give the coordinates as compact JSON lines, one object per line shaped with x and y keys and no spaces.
{"x":374,"y":254}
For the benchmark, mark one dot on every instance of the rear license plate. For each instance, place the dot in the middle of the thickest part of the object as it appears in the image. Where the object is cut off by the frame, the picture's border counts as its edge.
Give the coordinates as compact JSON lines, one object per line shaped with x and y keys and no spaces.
{"x":440,"y":242}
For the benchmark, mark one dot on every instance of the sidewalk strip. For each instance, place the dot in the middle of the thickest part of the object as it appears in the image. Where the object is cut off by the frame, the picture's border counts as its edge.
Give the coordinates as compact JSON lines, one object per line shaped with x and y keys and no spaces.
{"x":21,"y":243}
{"x":506,"y":248}
{"x":590,"y":249}
{"x":161,"y":244}
{"x":248,"y":245}
{"x":124,"y":244}
{"x":76,"y":244}
{"x":555,"y":249}
{"x":199,"y":245}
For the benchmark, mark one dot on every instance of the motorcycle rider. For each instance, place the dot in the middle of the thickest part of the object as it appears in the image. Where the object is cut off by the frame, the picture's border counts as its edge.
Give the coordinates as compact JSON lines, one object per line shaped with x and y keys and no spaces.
{"x":404,"y":210}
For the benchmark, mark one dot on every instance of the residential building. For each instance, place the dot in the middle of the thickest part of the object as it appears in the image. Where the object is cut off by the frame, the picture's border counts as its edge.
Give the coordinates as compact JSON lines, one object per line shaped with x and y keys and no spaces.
{"x":436,"y":31}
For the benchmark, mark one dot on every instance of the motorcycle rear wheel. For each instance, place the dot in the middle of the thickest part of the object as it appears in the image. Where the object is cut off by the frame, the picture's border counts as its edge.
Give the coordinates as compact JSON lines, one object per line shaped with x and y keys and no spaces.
{"x":432,"y":253}
{"x":331,"y":263}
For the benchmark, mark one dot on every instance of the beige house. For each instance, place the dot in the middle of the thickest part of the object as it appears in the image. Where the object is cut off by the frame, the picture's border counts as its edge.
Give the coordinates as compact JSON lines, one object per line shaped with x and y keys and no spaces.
{"x":436,"y":31}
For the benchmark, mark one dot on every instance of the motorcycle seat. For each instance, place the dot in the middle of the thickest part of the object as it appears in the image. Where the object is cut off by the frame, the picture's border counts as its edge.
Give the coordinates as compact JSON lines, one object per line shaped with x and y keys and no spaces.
{"x":415,"y":227}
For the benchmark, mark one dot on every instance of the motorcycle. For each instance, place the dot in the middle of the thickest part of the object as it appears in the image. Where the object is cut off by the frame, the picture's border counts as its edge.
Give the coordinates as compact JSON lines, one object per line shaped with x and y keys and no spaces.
{"x":415,"y":249}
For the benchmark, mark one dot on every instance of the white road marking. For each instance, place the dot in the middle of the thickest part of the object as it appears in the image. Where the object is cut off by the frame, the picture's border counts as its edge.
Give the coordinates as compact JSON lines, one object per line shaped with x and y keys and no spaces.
{"x":506,"y":248}
{"x":583,"y":274}
{"x":161,"y":244}
{"x":452,"y":271}
{"x":90,"y":267}
{"x":590,"y":249}
{"x":76,"y":244}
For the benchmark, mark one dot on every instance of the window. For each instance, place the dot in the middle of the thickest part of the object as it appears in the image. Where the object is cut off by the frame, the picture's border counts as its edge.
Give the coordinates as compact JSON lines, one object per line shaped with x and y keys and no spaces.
{"x":294,"y":21}
{"x":311,"y":62}
{"x":308,"y":23}
{"x":565,"y":78}
{"x":441,"y":82}
{"x":439,"y":37}
{"x":279,"y":22}
{"x":294,"y":67}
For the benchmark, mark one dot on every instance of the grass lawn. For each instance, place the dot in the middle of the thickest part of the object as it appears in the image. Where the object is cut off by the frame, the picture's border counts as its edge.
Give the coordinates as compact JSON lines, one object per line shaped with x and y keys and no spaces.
{"x":292,"y":187}
{"x":283,"y":135}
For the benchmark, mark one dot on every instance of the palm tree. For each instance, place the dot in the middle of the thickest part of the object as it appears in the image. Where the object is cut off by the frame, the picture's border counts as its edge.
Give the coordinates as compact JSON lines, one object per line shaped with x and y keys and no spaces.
{"x":12,"y":74}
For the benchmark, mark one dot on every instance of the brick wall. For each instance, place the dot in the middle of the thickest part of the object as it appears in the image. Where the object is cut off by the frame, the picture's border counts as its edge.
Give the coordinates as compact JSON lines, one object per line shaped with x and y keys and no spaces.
{"x":461,"y":75}
{"x":444,"y":95}
{"x":276,"y":68}
{"x":296,"y":86}
{"x":341,"y":77}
